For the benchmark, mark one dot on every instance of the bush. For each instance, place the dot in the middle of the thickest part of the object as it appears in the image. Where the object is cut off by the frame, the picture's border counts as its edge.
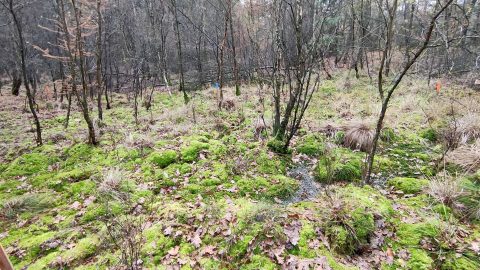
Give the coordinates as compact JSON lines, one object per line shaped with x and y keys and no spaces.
{"x":387,"y":134}
{"x":343,"y":166}
{"x":429,"y":134}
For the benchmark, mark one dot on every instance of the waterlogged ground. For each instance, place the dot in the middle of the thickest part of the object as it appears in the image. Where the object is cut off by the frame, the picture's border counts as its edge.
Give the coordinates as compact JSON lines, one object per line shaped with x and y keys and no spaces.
{"x":191,"y":187}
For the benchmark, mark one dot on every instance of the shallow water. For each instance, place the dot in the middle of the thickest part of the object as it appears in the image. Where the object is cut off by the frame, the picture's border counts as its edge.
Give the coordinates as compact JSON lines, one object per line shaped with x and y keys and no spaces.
{"x":308,"y":189}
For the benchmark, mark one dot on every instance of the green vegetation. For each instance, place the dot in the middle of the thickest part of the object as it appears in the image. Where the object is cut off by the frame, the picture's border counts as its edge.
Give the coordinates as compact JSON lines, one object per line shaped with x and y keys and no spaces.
{"x":212,"y":195}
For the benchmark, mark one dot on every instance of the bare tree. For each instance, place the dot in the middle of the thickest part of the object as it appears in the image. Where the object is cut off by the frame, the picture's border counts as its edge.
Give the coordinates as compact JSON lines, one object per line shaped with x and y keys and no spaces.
{"x":396,"y":82}
{"x":12,"y":9}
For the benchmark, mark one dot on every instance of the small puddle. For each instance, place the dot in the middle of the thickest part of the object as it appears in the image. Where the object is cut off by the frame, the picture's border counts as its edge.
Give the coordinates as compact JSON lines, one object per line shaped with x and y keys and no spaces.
{"x":308,"y":189}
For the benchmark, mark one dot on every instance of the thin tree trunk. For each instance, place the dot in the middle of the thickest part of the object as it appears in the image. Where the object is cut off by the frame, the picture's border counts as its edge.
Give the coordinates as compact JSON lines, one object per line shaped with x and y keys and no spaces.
{"x":30,"y":98}
{"x":99,"y":60}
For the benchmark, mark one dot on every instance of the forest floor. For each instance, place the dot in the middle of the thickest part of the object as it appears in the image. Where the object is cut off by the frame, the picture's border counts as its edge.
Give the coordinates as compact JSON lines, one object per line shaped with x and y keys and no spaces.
{"x":193,"y":187}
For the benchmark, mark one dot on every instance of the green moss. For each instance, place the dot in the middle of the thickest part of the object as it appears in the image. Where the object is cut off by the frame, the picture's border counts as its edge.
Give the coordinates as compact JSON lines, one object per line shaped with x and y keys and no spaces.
{"x":210,"y":264}
{"x":307,"y":233}
{"x":278,"y":186}
{"x":190,"y":152}
{"x":368,"y":197}
{"x":32,"y":243}
{"x":85,"y":248}
{"x":156,"y":243}
{"x":429,"y":134}
{"x":95,"y":211}
{"x":164,"y":158}
{"x":259,"y":262}
{"x":43,"y":263}
{"x":239,"y":249}
{"x":462,"y":263}
{"x":78,"y":153}
{"x":408,"y":185}
{"x":419,"y":259}
{"x":340,"y":239}
{"x":82,"y":189}
{"x":350,"y":234}
{"x":217,"y":148}
{"x":339,"y":137}
{"x":28,"y":164}
{"x":278,"y":146}
{"x":186,"y":249}
{"x":363,"y":224}
{"x":342,"y":165}
{"x":268,"y":164}
{"x":311,"y":145}
{"x":411,"y":234}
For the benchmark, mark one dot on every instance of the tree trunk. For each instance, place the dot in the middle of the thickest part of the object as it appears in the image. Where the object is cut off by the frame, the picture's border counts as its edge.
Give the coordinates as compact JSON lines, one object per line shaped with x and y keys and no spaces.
{"x":16,"y":83}
{"x":99,"y":60}
{"x":21,"y":47}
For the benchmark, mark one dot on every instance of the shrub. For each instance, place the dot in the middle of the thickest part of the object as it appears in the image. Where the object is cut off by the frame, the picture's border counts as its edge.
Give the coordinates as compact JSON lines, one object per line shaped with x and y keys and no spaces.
{"x":339,"y":166}
{"x":387,"y":134}
{"x":429,"y":134}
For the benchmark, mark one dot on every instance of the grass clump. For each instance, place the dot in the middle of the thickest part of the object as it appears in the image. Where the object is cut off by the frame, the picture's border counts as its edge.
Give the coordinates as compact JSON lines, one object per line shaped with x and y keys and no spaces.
{"x":339,"y":166}
{"x":429,"y":134}
{"x":408,"y":185}
{"x":30,"y":202}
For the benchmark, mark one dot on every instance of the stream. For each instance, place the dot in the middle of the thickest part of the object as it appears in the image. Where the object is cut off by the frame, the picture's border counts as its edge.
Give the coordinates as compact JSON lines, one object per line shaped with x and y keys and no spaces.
{"x":308,"y":188}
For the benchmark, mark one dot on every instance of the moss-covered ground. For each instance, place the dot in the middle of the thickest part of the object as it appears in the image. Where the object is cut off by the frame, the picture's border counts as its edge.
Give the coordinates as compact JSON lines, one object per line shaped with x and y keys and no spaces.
{"x":193,"y":187}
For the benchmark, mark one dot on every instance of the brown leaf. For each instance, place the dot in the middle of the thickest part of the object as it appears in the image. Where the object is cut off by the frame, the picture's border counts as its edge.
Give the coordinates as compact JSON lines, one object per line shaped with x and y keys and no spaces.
{"x":168,"y":231}
{"x":389,"y":256}
{"x":174,"y":251}
{"x":196,"y":241}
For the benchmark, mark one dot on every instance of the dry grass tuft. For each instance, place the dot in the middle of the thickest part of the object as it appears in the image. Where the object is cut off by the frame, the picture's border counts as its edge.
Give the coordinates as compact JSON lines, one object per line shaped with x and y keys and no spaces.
{"x":466,"y":156}
{"x":445,"y":188}
{"x":359,"y":136}
{"x":111,"y":184}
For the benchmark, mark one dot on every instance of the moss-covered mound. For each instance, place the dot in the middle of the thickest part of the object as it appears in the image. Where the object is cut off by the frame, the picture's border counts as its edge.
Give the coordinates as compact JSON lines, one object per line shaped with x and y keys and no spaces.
{"x":408,"y":185}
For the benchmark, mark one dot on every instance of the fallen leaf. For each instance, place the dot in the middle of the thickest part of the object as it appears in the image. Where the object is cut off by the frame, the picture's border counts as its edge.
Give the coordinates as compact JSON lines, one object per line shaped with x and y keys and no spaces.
{"x":174,"y":251}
